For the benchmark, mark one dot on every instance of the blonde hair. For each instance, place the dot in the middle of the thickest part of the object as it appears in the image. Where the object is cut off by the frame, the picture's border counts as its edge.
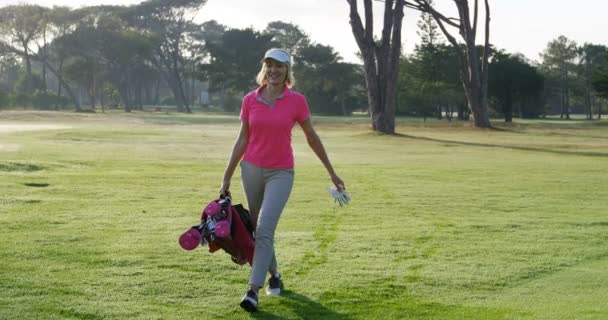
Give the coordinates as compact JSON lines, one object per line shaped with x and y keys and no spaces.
{"x":261,"y":79}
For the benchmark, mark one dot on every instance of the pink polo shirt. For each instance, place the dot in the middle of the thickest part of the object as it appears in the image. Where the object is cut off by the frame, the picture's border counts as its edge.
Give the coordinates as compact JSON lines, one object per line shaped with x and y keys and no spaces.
{"x":270,"y":127}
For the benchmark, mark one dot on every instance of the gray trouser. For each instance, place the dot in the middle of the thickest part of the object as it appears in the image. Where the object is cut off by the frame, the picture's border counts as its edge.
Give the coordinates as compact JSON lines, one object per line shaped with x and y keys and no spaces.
{"x":267,"y":191}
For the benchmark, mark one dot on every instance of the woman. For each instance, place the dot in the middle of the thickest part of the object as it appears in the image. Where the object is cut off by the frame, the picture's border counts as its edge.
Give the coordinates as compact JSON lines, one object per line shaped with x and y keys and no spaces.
{"x":264,"y":143}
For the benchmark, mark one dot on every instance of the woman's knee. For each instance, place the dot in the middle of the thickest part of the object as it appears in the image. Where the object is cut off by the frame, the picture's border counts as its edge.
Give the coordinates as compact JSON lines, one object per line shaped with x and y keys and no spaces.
{"x":264,"y":235}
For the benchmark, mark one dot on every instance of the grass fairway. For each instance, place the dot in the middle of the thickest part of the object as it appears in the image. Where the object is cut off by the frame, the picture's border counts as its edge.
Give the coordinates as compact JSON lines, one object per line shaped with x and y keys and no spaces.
{"x":447,"y":221}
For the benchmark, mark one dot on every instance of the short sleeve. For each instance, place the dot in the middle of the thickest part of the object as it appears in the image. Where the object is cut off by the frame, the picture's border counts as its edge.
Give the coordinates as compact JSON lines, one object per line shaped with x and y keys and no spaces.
{"x":245,"y":109}
{"x":302,"y":112}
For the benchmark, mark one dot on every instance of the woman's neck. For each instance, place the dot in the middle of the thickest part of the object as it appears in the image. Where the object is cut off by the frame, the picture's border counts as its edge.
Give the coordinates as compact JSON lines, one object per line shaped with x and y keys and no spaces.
{"x":275,"y":90}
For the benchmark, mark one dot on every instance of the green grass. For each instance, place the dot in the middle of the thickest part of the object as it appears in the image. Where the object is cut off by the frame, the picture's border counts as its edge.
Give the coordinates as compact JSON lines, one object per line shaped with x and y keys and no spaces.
{"x":447,"y":221}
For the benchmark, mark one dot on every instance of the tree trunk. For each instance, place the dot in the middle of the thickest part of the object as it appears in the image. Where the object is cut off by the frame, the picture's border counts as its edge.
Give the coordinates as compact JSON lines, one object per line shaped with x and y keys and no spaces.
{"x":477,"y":86}
{"x":93,"y":99}
{"x":28,"y":68}
{"x":139,"y":97}
{"x":179,"y":82}
{"x":567,"y":107}
{"x":473,"y":76}
{"x":462,"y":110}
{"x":520,"y":112}
{"x":93,"y":93}
{"x":508,"y":108}
{"x":157,"y":93}
{"x":380,"y":60}
{"x":478,"y":107}
{"x":179,"y":93}
{"x":63,"y":83}
{"x":124,"y":96}
{"x":123,"y":89}
{"x":562,"y":104}
{"x":449,"y":112}
{"x":589,"y":106}
{"x":165,"y":67}
{"x":58,"y":80}
{"x":44,"y":50}
{"x":102,"y":101}
{"x":172,"y":83}
{"x":222,"y":96}
{"x":192,"y":96}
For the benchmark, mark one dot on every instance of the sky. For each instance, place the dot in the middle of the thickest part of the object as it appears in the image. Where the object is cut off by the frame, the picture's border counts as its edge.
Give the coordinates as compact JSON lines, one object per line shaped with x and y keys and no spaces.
{"x":517,"y":26}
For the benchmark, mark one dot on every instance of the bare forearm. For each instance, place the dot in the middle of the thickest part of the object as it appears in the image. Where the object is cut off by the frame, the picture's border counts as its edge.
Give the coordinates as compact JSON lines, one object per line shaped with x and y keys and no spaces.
{"x":237,"y":153}
{"x":317,"y":146}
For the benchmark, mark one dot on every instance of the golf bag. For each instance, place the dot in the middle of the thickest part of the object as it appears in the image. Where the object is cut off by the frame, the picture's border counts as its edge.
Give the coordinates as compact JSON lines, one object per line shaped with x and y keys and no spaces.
{"x":223,"y":226}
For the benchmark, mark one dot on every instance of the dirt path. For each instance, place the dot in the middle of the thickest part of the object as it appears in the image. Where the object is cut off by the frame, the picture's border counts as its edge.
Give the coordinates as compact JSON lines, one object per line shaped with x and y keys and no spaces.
{"x":16,"y":127}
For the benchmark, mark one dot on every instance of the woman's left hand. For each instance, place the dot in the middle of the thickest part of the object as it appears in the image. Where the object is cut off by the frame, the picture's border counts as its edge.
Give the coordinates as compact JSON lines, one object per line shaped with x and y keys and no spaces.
{"x":338,"y":183}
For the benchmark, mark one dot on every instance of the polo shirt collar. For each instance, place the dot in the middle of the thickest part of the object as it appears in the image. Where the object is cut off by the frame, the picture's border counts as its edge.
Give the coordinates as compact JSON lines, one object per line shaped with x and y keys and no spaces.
{"x":286,"y":92}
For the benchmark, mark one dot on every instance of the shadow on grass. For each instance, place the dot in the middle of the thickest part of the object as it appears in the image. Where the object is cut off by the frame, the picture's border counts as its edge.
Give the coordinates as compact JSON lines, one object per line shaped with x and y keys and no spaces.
{"x":489,"y":145}
{"x":522,"y":129}
{"x":577,"y":135}
{"x":303,"y":307}
{"x":19,"y":167}
{"x":36,"y":185}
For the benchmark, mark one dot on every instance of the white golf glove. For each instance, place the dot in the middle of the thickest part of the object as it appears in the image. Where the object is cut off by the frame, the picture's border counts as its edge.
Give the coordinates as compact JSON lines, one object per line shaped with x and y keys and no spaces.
{"x":341,"y":197}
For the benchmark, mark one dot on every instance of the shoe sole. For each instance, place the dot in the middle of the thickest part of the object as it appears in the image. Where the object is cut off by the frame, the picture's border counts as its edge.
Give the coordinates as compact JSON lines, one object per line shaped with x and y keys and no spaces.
{"x":249,"y":306}
{"x":273,"y":292}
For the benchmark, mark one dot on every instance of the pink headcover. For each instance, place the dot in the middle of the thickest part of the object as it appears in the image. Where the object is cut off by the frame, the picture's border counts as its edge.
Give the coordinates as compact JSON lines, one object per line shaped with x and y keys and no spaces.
{"x":222,"y":229}
{"x":190,"y":239}
{"x":212,"y":209}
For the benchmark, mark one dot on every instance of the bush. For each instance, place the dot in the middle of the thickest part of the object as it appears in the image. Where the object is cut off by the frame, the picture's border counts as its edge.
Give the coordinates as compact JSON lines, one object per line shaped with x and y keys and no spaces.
{"x":62,"y":101}
{"x":21,"y":99}
{"x":168,"y":101}
{"x":232,"y":103}
{"x":87,"y":111}
{"x":22,"y":83}
{"x":44,"y":99}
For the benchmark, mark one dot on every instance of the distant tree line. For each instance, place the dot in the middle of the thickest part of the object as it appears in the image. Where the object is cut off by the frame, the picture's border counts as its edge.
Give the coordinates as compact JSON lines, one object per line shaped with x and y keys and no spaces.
{"x":570,"y":78}
{"x":155,"y":54}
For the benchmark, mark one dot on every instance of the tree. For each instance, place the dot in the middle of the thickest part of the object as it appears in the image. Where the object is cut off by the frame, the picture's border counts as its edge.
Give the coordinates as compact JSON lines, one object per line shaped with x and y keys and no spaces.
{"x":425,"y":58}
{"x":208,"y":34}
{"x":287,"y":36}
{"x":87,"y":51}
{"x":427,"y":30}
{"x":62,"y":21}
{"x":327,"y":82}
{"x":474,"y":69}
{"x":380,"y":60}
{"x":234,"y":61}
{"x":559,"y":65}
{"x":170,"y":23}
{"x":513,"y":81}
{"x":592,"y":58}
{"x":78,"y":51}
{"x":20,"y":27}
{"x":600,"y":82}
{"x":434,"y":76}
{"x":9,"y":70}
{"x":411,"y":101}
{"x":331,"y":86}
{"x":127,"y":53}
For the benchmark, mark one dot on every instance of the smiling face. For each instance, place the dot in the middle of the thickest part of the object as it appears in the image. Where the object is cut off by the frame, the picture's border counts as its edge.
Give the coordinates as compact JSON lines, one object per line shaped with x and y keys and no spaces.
{"x":276,"y":72}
